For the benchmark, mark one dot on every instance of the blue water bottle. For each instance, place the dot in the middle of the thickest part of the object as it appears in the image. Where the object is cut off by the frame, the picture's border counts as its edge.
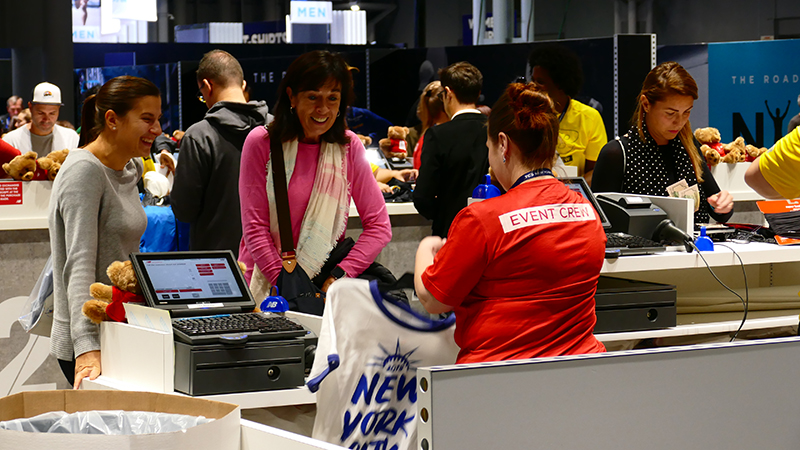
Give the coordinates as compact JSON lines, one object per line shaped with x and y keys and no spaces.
{"x":486,"y":190}
{"x":703,"y":242}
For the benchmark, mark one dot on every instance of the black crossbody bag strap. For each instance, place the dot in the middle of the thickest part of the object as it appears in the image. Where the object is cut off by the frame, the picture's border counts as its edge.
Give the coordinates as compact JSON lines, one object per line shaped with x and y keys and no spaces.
{"x":281,"y":197}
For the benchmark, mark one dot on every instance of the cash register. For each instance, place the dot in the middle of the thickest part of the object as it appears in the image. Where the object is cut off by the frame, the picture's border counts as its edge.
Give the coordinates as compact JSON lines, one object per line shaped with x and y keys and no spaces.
{"x":221,"y":346}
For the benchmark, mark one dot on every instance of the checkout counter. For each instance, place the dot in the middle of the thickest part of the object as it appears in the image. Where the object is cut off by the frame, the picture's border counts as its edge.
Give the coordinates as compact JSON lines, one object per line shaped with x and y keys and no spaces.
{"x":769,"y":270}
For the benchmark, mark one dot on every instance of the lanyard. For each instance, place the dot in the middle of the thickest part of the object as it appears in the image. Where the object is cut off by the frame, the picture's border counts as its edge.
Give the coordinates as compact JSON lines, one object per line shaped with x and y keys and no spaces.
{"x":531,"y":175}
{"x":564,"y":112}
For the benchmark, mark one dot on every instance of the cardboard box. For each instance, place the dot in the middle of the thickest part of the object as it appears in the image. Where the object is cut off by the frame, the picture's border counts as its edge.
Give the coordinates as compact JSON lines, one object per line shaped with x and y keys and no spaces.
{"x":221,"y":434}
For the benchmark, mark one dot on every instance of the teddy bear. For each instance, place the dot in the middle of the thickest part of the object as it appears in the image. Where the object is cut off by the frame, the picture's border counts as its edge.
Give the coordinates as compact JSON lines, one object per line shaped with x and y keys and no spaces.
{"x":710,"y":137}
{"x":106,"y":303}
{"x":27,"y":167}
{"x":7,"y":154}
{"x":735,"y":151}
{"x":711,"y":155}
{"x":715,"y":151}
{"x":395,"y":145}
{"x":366,"y":141}
{"x":754,"y":152}
{"x":58,"y":156}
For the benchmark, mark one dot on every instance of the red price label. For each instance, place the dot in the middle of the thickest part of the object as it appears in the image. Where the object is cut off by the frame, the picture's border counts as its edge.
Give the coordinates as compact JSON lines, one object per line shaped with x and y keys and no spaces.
{"x":11,"y":193}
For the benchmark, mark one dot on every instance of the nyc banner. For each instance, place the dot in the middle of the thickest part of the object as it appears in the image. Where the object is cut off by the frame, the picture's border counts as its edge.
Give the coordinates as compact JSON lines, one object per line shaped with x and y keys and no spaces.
{"x":753,"y":89}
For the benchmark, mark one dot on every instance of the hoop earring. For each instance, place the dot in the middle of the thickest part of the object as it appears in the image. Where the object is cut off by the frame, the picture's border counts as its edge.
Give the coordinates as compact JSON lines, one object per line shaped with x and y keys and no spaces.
{"x":338,"y":113}
{"x":291,"y":109}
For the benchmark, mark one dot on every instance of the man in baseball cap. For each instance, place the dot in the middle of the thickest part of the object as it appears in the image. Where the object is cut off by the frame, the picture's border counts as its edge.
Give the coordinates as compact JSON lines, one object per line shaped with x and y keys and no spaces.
{"x":42,"y":135}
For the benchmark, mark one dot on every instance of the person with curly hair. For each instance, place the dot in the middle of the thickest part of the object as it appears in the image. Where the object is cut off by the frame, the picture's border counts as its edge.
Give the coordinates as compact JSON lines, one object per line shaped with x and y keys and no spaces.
{"x":581,"y":130}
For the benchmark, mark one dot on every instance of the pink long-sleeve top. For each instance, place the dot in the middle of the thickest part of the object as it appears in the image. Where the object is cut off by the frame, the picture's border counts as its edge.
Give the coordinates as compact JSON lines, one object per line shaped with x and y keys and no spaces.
{"x":257,"y":244}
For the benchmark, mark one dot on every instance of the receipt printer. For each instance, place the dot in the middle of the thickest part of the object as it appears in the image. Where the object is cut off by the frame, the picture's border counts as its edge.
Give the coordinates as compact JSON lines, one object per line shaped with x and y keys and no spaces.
{"x":631,"y":214}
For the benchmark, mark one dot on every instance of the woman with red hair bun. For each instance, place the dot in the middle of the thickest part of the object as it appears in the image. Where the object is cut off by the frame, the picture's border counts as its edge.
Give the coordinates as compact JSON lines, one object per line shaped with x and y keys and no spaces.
{"x":520,"y":270}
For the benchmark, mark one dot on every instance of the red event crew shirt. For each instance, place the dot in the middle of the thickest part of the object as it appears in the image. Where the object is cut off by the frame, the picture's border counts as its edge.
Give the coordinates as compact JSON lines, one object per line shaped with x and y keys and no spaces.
{"x":521,"y":271}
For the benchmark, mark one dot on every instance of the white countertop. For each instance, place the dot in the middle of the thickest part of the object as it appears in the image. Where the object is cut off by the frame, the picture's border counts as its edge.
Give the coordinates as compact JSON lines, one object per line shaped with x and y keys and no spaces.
{"x":752,"y":253}
{"x":695,"y":329}
{"x":32,"y":213}
{"x":262,"y":399}
{"x":394,"y":209}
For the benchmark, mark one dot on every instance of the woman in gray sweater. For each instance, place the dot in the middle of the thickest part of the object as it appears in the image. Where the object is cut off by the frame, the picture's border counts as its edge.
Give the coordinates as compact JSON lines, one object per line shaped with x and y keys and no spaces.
{"x":95,"y":214}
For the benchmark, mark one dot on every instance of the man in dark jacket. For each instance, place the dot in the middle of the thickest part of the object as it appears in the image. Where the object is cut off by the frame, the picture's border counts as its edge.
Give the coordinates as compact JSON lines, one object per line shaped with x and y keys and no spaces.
{"x":206,"y":189}
{"x":454,"y":154}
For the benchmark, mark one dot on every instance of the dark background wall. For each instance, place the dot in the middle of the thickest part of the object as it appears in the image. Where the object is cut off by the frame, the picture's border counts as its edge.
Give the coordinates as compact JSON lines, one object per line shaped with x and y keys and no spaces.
{"x":675,"y":21}
{"x":438,"y":23}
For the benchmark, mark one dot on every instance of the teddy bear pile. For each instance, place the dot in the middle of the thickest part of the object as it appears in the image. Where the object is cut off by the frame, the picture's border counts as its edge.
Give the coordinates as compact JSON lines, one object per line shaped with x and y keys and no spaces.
{"x":28,"y":167}
{"x":716,"y":152}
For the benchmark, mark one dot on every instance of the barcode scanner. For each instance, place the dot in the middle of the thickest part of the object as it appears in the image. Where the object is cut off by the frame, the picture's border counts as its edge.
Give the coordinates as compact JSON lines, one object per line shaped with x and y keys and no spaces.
{"x":667,"y":231}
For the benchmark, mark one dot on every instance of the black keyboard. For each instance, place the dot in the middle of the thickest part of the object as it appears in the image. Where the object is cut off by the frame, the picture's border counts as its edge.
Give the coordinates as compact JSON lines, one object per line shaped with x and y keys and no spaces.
{"x":230,"y":328}
{"x":623,"y":240}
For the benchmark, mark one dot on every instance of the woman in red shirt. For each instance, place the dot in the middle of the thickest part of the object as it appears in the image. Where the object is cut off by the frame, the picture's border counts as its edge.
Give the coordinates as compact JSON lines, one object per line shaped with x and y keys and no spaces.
{"x":520,"y":270}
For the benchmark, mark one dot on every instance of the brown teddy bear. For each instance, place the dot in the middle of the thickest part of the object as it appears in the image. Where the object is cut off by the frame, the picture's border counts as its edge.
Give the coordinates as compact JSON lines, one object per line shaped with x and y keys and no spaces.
{"x":395,"y":145}
{"x":28,"y":168}
{"x":707,"y":135}
{"x":711,"y":147}
{"x":7,"y":154}
{"x":106,"y":303}
{"x":711,"y":155}
{"x":735,"y":152}
{"x":754,"y":152}
{"x":58,"y":156}
{"x":365,"y":140}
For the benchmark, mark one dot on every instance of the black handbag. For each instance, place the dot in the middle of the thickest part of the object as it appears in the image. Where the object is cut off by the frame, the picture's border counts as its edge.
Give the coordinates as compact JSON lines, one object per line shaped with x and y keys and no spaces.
{"x":401,"y":192}
{"x":300,"y":293}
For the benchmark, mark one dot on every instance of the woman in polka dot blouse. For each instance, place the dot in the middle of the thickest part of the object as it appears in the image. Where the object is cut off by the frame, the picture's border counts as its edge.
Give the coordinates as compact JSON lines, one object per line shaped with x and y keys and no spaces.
{"x":659,"y":149}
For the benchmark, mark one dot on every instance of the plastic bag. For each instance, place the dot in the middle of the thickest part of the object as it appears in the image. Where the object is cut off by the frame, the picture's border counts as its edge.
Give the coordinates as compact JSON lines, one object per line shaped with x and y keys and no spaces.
{"x":37,"y":314}
{"x":105,"y":422}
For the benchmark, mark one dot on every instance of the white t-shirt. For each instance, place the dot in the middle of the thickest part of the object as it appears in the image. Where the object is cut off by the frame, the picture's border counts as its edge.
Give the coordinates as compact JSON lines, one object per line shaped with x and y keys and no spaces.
{"x":366,"y":365}
{"x":62,"y":138}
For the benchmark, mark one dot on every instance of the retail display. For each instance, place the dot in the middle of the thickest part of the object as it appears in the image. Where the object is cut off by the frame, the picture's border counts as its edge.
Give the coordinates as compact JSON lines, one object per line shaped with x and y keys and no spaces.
{"x":28,"y":168}
{"x":716,"y":152}
{"x":106,"y":303}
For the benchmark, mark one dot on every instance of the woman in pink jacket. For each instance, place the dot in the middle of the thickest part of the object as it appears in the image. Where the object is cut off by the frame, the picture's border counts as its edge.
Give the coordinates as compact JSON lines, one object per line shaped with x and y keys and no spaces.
{"x":326,"y":166}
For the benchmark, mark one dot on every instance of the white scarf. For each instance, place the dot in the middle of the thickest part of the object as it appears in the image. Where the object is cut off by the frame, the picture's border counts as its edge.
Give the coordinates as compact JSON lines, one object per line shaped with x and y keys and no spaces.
{"x":325,"y":218}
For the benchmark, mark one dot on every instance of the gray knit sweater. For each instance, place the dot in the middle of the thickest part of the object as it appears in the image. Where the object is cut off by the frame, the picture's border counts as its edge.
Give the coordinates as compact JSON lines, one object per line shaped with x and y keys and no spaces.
{"x":95,"y":219}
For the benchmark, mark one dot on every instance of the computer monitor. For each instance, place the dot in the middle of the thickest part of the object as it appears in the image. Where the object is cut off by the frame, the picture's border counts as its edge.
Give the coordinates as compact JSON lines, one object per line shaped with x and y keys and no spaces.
{"x":579,"y":185}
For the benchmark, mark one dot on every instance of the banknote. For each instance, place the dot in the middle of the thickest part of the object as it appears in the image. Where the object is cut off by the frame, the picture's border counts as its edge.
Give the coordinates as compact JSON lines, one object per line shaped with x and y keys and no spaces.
{"x":674,"y":189}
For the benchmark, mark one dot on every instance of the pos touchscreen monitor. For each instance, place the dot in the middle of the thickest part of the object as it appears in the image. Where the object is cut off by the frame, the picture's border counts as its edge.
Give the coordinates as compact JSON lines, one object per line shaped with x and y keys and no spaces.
{"x":193,"y":283}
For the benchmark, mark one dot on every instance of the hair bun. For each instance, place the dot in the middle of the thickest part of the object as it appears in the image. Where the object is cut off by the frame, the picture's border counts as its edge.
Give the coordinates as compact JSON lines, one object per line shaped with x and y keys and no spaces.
{"x":531,"y":105}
